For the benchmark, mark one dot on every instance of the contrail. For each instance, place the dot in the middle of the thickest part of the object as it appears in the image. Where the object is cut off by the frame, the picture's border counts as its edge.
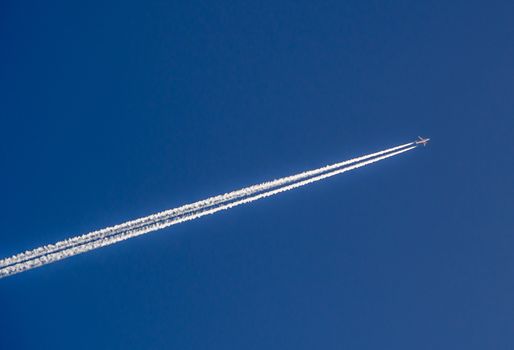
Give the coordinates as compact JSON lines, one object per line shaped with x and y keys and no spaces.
{"x":157,"y":225}
{"x":212,"y":201}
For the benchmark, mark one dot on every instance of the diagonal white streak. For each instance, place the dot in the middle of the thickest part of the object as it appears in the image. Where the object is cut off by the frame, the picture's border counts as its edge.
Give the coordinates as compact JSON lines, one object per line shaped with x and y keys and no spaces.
{"x":157,"y":225}
{"x":188,"y":208}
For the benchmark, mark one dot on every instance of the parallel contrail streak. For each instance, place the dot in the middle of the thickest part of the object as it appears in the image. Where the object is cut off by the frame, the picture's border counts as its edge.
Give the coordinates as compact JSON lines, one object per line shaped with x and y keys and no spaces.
{"x":212,"y":201}
{"x":156,"y":225}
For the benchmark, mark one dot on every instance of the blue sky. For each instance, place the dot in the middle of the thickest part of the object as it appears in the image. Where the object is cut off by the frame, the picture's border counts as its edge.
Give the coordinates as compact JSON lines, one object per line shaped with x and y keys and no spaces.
{"x":114,"y":110}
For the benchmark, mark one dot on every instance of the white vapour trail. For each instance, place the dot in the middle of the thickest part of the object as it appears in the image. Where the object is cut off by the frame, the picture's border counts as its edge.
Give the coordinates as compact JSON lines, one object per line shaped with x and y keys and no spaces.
{"x":212,"y":201}
{"x":49,"y":258}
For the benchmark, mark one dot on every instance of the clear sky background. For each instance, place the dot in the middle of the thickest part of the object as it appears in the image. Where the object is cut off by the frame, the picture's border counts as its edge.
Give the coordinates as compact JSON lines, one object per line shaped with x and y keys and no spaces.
{"x":112,"y":110}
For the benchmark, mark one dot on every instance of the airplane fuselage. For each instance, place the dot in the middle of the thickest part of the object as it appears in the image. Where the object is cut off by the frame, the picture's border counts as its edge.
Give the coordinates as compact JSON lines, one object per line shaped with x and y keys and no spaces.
{"x":422,"y":141}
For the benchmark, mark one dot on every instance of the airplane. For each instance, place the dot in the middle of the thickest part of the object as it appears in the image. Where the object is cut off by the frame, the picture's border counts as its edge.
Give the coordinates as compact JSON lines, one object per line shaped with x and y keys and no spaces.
{"x":422,"y":141}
